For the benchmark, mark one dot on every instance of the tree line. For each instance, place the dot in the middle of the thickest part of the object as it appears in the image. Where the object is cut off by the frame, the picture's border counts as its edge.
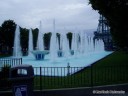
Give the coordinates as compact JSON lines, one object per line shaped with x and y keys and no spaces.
{"x":7,"y":33}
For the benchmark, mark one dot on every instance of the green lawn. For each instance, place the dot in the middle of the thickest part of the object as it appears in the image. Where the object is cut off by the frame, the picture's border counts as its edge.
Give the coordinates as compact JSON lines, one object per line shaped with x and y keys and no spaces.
{"x":111,"y":70}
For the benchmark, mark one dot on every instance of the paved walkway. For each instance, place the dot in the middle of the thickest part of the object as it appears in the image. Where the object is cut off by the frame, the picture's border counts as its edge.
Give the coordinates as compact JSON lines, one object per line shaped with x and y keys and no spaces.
{"x":113,"y":90}
{"x":121,"y":90}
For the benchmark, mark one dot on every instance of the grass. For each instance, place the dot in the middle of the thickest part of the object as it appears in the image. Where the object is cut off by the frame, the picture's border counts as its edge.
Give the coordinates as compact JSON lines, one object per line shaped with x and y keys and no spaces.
{"x":115,"y":59}
{"x":109,"y":70}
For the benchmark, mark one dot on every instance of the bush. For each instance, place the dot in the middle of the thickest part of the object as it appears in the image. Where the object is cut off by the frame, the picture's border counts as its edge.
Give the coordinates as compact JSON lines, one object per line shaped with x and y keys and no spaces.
{"x":5,"y":71}
{"x":4,"y":75}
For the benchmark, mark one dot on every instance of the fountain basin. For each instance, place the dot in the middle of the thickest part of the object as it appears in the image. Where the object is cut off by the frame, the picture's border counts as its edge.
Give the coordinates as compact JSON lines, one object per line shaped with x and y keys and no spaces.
{"x":39,"y":55}
{"x":61,"y":53}
{"x":72,"y":52}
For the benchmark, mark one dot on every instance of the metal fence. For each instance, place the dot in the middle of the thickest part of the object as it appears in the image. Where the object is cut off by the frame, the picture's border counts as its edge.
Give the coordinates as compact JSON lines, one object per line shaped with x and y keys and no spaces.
{"x":5,"y":65}
{"x":10,"y":61}
{"x":58,"y":77}
{"x":71,"y":77}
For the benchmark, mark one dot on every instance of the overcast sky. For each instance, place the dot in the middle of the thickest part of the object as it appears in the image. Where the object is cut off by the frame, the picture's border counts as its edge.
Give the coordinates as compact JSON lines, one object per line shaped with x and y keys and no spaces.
{"x":68,"y":14}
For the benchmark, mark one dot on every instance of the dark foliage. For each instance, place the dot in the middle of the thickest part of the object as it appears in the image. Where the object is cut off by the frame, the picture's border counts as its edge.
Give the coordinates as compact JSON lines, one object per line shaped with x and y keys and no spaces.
{"x":4,"y":76}
{"x":116,"y":13}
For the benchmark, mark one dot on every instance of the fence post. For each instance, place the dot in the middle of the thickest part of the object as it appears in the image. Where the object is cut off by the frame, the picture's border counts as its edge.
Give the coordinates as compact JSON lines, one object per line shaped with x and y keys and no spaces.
{"x":92,"y":75}
{"x":40,"y":78}
{"x":21,"y":61}
{"x":68,"y":69}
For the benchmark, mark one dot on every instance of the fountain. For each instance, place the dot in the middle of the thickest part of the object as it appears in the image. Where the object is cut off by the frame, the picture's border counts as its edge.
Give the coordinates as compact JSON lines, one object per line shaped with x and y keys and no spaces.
{"x":30,"y":43}
{"x":83,"y":50}
{"x":99,"y":45}
{"x":86,"y":44}
{"x":82,"y":42}
{"x":53,"y":45}
{"x":17,"y":47}
{"x":40,"y":40}
{"x":65,"y":45}
{"x":74,"y":44}
{"x":88,"y":53}
{"x":40,"y":53}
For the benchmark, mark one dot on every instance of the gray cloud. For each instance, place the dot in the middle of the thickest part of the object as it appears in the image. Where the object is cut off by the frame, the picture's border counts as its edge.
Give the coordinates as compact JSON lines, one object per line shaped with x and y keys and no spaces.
{"x":67,"y":13}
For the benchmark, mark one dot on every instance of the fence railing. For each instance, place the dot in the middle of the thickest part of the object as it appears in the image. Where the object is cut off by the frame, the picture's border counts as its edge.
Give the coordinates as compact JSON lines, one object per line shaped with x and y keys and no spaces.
{"x":70,"y":77}
{"x":5,"y":64}
{"x":10,"y":61}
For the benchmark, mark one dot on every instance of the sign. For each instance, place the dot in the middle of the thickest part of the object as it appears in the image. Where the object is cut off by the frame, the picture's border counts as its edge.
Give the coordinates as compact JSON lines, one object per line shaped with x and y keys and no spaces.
{"x":20,"y":90}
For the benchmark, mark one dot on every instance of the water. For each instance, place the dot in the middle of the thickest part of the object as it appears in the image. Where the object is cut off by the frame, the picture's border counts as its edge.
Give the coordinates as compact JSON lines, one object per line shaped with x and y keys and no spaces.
{"x":40,"y":41}
{"x":30,"y":43}
{"x":17,"y":47}
{"x":74,"y":46}
{"x":82,"y":42}
{"x":53,"y":45}
{"x":86,"y":51}
{"x":81,"y":61}
{"x":65,"y":45}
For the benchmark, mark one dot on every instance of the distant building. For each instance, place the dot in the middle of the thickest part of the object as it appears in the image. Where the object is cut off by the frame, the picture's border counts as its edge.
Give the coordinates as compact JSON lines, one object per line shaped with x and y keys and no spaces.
{"x":103,"y":32}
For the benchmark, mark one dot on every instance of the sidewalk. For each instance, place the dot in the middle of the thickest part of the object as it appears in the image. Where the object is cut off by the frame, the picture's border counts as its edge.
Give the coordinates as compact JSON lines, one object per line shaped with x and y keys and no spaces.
{"x":81,"y":91}
{"x":111,"y":89}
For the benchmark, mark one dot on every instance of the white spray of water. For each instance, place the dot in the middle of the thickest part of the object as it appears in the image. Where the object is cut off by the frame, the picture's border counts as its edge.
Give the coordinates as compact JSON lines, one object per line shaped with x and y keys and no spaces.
{"x":40,"y":40}
{"x":53,"y":45}
{"x":17,"y":47}
{"x":30,"y":43}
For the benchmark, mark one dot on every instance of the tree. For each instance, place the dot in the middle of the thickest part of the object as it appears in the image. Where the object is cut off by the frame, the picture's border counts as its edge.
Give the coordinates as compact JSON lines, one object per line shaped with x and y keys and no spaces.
{"x":7,"y":36}
{"x":69,"y":36}
{"x":47,"y":37}
{"x":24,"y":38}
{"x":35,"y":36}
{"x":115,"y":11}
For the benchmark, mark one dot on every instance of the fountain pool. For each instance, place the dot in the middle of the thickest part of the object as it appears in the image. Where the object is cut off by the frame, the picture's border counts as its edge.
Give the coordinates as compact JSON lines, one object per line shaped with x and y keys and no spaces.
{"x":73,"y":61}
{"x":85,"y":51}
